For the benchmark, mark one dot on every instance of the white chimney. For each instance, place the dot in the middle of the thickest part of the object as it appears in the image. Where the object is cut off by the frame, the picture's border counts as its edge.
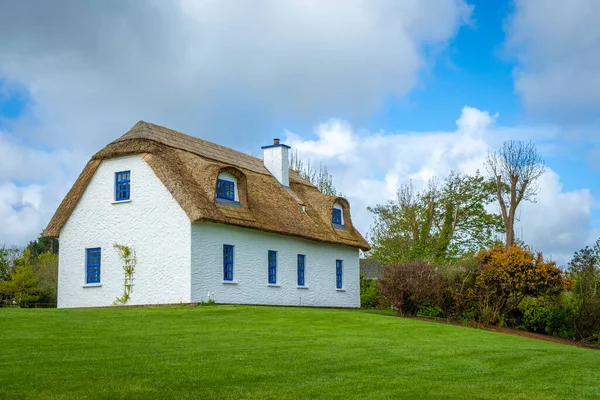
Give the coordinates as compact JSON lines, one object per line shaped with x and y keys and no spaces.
{"x":277,"y":161}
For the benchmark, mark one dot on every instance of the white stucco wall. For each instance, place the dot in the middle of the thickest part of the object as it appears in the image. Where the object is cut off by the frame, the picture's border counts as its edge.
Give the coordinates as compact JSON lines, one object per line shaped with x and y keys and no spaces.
{"x":152,"y":224}
{"x":250,"y":269}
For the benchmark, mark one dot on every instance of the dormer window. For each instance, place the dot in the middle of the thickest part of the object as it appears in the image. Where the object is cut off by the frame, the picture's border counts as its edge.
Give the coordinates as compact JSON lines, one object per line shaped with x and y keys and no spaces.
{"x":337,"y":216}
{"x":227,"y":189}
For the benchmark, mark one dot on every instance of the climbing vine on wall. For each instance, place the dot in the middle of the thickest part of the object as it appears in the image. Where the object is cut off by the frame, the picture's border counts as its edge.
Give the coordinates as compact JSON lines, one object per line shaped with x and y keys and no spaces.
{"x":129,"y":260}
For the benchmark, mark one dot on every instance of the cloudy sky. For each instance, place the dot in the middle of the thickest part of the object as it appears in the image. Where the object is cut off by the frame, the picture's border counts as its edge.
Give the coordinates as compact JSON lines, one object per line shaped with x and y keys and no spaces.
{"x":382,"y":92}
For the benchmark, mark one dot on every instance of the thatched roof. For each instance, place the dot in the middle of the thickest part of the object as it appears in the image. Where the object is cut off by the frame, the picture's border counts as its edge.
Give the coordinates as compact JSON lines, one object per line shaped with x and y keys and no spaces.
{"x":189,"y":166}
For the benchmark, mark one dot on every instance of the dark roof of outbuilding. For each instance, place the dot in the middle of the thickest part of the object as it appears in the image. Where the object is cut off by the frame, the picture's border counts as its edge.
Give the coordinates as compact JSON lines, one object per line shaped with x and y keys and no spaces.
{"x":370,"y":268}
{"x":189,"y":166}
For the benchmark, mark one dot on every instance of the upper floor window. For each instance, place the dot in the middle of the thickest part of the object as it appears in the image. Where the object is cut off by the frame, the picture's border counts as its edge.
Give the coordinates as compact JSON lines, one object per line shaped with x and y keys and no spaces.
{"x":225,"y":190}
{"x":92,"y":264}
{"x":337,"y":217}
{"x":301,"y":269}
{"x":122,"y":185}
{"x":227,"y":187}
{"x":338,"y":273}
{"x":272,"y":267}
{"x":227,"y":262}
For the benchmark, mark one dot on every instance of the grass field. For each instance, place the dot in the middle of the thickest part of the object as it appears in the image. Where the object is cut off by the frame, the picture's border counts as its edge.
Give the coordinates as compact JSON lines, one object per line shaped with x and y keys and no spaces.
{"x":275,"y":352}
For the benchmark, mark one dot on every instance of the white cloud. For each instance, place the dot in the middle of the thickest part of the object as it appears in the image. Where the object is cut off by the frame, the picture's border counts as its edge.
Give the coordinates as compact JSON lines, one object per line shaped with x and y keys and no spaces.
{"x":219,"y":69}
{"x":557,"y":45}
{"x":371,"y":170}
{"x":231,"y":72}
{"x":32,"y":183}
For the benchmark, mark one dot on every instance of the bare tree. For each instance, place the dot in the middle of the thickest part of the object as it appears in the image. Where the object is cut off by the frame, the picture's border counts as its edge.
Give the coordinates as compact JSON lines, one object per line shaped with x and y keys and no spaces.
{"x":516,"y":168}
{"x":321,"y":178}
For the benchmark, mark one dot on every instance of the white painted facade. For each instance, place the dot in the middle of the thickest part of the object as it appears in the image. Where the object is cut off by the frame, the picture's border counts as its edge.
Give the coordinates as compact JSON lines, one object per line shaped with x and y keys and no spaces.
{"x":151,"y":223}
{"x":249,"y":285}
{"x":179,"y":261}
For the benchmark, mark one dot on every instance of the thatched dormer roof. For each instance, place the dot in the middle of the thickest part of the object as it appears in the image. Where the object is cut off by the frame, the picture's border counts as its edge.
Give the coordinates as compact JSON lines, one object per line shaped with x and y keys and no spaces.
{"x":189,"y":167}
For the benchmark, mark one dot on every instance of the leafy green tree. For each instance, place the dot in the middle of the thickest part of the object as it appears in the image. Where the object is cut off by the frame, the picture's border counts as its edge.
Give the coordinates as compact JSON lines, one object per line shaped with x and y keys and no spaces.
{"x":318,"y":177}
{"x":21,"y":287}
{"x":7,"y":256}
{"x":46,"y":267}
{"x":441,"y":223}
{"x":42,"y":245}
{"x":585,"y":269}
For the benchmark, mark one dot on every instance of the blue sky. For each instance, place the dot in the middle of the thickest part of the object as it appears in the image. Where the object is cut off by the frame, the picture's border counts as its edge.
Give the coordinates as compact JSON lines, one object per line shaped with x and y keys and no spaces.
{"x":383,"y":92}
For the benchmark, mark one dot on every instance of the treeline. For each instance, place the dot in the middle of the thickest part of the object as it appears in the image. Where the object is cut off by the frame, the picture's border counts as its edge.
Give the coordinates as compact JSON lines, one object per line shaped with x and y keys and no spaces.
{"x":29,"y":277}
{"x":443,"y":256}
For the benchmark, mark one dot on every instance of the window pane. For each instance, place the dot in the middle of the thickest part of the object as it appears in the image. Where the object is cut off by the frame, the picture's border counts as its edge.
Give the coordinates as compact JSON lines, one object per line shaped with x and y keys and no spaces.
{"x":122,"y":185}
{"x":337,"y":216}
{"x":225,"y":190}
{"x":300,"y":270}
{"x":272,"y":271}
{"x":93,"y":260}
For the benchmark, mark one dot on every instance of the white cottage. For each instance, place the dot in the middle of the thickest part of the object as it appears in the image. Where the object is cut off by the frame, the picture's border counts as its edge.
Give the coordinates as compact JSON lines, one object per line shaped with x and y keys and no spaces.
{"x":202,"y":218}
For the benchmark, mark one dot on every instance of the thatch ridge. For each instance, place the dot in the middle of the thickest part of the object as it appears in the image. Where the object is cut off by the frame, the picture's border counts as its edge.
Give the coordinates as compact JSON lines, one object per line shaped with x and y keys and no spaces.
{"x":300,"y":210}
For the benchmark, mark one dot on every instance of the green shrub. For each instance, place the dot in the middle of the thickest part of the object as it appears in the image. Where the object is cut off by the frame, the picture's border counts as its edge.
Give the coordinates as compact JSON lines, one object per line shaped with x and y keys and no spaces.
{"x":369,"y":295}
{"x":430,"y":311}
{"x":545,"y":316}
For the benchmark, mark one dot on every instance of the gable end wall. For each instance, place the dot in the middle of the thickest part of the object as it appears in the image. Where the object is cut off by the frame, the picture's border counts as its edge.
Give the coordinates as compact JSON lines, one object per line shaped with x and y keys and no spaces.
{"x":152,"y":223}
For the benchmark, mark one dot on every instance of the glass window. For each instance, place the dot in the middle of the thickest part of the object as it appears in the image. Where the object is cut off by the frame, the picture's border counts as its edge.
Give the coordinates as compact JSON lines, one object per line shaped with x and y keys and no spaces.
{"x":337,"y":216}
{"x":93,"y":261}
{"x":227,"y":262}
{"x":225,"y":190}
{"x":300,"y":270}
{"x":272,"y":267}
{"x":122,"y":185}
{"x":338,"y":273}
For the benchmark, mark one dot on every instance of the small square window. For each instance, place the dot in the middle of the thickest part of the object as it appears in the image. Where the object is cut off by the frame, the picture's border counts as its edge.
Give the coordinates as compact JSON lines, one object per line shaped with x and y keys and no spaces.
{"x":92,"y":262}
{"x":225,"y":190}
{"x":122,"y":185}
{"x":337,"y":216}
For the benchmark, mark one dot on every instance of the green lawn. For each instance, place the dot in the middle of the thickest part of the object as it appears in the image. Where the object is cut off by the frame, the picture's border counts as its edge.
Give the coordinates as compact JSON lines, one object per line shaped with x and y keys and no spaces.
{"x":275,"y":352}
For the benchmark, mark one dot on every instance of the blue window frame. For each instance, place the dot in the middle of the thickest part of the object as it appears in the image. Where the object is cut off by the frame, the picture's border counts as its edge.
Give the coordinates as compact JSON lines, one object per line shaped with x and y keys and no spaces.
{"x":92,"y":263}
{"x":225,"y":190}
{"x":338,"y":274}
{"x":122,"y":185}
{"x":272,"y":267}
{"x":300,"y":270}
{"x":337,"y":216}
{"x":227,"y":262}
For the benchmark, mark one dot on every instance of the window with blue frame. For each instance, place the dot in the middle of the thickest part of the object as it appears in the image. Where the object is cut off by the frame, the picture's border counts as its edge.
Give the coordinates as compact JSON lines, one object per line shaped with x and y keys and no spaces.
{"x":300,"y":270}
{"x":272,"y":267}
{"x":225,"y":190}
{"x":227,"y":262}
{"x":92,"y":262}
{"x":337,"y":216}
{"x":122,"y":185}
{"x":338,"y":274}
